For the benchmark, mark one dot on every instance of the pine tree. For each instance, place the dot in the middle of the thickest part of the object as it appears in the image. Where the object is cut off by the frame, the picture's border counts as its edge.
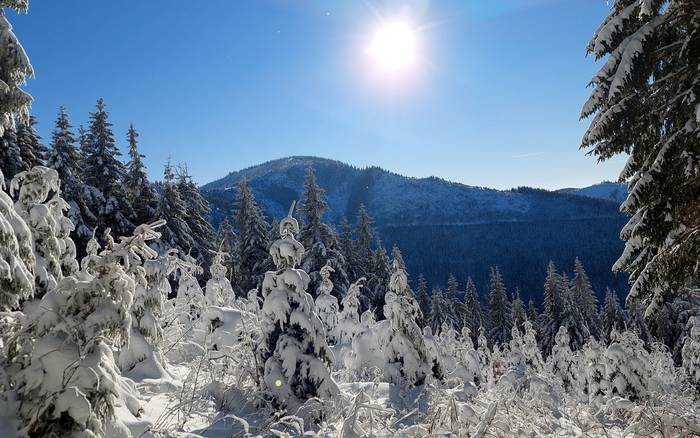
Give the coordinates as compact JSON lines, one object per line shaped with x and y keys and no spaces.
{"x":584,"y":299}
{"x":65,"y":158}
{"x":645,"y":103}
{"x":176,"y":233}
{"x":197,"y":218}
{"x":103,"y":170}
{"x":14,"y":70}
{"x":139,"y":190}
{"x":472,"y":312}
{"x":517,"y":312}
{"x":612,"y":317}
{"x":499,"y":309}
{"x":320,"y":239}
{"x":293,"y":354}
{"x":253,"y":242}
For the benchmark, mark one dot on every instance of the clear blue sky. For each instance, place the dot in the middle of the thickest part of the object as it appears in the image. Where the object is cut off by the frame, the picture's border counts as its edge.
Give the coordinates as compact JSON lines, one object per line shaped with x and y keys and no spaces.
{"x":225,"y":84}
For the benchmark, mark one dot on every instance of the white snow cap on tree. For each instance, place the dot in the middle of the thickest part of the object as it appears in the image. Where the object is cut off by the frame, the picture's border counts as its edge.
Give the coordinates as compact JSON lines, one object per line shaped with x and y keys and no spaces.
{"x":218,"y":289}
{"x":327,"y":304}
{"x":349,"y":319}
{"x":293,"y":353}
{"x":14,"y":69}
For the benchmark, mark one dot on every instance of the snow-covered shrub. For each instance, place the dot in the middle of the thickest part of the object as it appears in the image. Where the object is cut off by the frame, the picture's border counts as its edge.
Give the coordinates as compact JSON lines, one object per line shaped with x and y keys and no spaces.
{"x":366,"y":355}
{"x":16,"y":255}
{"x":562,"y":362}
{"x":69,"y":384}
{"x":484,"y":355}
{"x":349,"y":318}
{"x":593,"y":371}
{"x":293,"y":354}
{"x":530,"y":349}
{"x":408,"y":360}
{"x":627,"y":369}
{"x":218,"y":289}
{"x":327,"y":304}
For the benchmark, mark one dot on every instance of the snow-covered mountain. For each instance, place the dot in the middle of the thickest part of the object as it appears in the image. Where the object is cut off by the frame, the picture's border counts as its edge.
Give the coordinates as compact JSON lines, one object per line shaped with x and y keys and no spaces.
{"x":611,"y":191}
{"x":445,"y":227}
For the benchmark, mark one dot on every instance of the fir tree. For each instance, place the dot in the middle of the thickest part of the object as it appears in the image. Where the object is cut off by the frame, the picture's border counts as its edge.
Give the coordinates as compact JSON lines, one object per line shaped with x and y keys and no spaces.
{"x":103,"y":170}
{"x":379,"y":275}
{"x":253,"y":242}
{"x":518,"y":315}
{"x":198,"y":212}
{"x":65,"y":158}
{"x":364,"y":234}
{"x":349,"y":318}
{"x":319,"y":239}
{"x":14,"y":70}
{"x":612,"y":317}
{"x":139,"y":190}
{"x":227,"y":240}
{"x":553,"y":307}
{"x":293,"y":354}
{"x":499,"y":309}
{"x":176,"y":233}
{"x":645,"y":103}
{"x":10,"y":154}
{"x":32,"y":151}
{"x":452,"y":288}
{"x":422,"y":298}
{"x":472,"y":312}
{"x":533,"y":315}
{"x":584,"y":299}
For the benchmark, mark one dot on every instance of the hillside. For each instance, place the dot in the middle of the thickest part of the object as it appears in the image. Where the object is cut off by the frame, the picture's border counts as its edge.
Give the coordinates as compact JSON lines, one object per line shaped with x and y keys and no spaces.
{"x":445,"y":227}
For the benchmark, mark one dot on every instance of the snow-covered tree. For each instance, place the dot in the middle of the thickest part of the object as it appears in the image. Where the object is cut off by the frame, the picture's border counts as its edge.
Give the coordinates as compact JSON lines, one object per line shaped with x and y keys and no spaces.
{"x":530,"y":349}
{"x":517,"y":312}
{"x":422,"y":298}
{"x":65,"y":158}
{"x":293,"y":354}
{"x":32,"y":151}
{"x":139,"y":191}
{"x":227,"y":239}
{"x":218,"y":289}
{"x":472,"y":309}
{"x":612,"y":316}
{"x":349,"y":318}
{"x":407,"y":356}
{"x":39,"y":204}
{"x":171,"y":207}
{"x":484,"y":355}
{"x":10,"y":154}
{"x":499,"y":309}
{"x":16,"y":255}
{"x":253,"y":241}
{"x":14,"y":70}
{"x":69,"y":373}
{"x":319,"y":239}
{"x":327,"y":304}
{"x":442,"y":312}
{"x":364,"y":235}
{"x":452,"y":288}
{"x":594,"y":372}
{"x":635,"y":321}
{"x":562,"y":362}
{"x":198,"y":211}
{"x":379,"y":277}
{"x":584,"y":299}
{"x":645,"y":103}
{"x":691,"y":355}
{"x":102,"y":169}
{"x":533,"y":315}
{"x":627,"y":368}
{"x":554,"y":307}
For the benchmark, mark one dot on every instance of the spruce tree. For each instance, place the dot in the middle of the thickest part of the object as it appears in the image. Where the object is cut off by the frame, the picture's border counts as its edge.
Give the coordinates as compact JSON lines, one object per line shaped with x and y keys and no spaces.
{"x":227,"y":240}
{"x":645,"y":103}
{"x":320,"y":239}
{"x":103,"y":170}
{"x":10,"y":154}
{"x":517,"y":312}
{"x":379,"y":275}
{"x":364,"y":235}
{"x":533,"y":315}
{"x":139,"y":190}
{"x":472,"y":312}
{"x":552,"y":307}
{"x":14,"y":70}
{"x":197,"y":218}
{"x":584,"y":298}
{"x":32,"y":151}
{"x":422,"y":298}
{"x":499,"y":309}
{"x":65,"y":158}
{"x":452,"y":287}
{"x":612,"y":317}
{"x":176,"y":233}
{"x":253,"y":242}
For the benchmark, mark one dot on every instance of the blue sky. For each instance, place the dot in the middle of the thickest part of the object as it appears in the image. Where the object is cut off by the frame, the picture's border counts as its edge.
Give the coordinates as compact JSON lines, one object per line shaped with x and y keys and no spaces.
{"x":225,"y":84}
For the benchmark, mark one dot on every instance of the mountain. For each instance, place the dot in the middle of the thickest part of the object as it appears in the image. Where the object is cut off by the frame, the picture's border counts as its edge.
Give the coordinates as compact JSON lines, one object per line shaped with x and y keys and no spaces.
{"x":444,"y":227}
{"x":611,"y":191}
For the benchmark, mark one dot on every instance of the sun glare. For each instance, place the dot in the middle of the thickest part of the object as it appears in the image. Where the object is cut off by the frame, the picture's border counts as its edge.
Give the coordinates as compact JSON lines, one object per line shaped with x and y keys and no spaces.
{"x":393,"y":47}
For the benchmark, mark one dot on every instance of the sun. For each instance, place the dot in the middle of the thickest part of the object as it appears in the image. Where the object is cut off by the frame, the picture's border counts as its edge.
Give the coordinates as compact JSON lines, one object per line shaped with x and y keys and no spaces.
{"x":393,"y":47}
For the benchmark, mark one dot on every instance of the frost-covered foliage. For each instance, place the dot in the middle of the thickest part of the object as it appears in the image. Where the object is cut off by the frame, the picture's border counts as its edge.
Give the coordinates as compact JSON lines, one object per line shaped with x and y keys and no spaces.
{"x":197,"y":214}
{"x":14,"y":70}
{"x":499,"y":309}
{"x":349,"y":318}
{"x":16,"y":255}
{"x":327,"y":304}
{"x":218,"y":289}
{"x":293,"y":354}
{"x":253,"y":241}
{"x":562,"y":362}
{"x":67,"y":369}
{"x":645,"y":103}
{"x":408,"y":359}
{"x":691,"y":355}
